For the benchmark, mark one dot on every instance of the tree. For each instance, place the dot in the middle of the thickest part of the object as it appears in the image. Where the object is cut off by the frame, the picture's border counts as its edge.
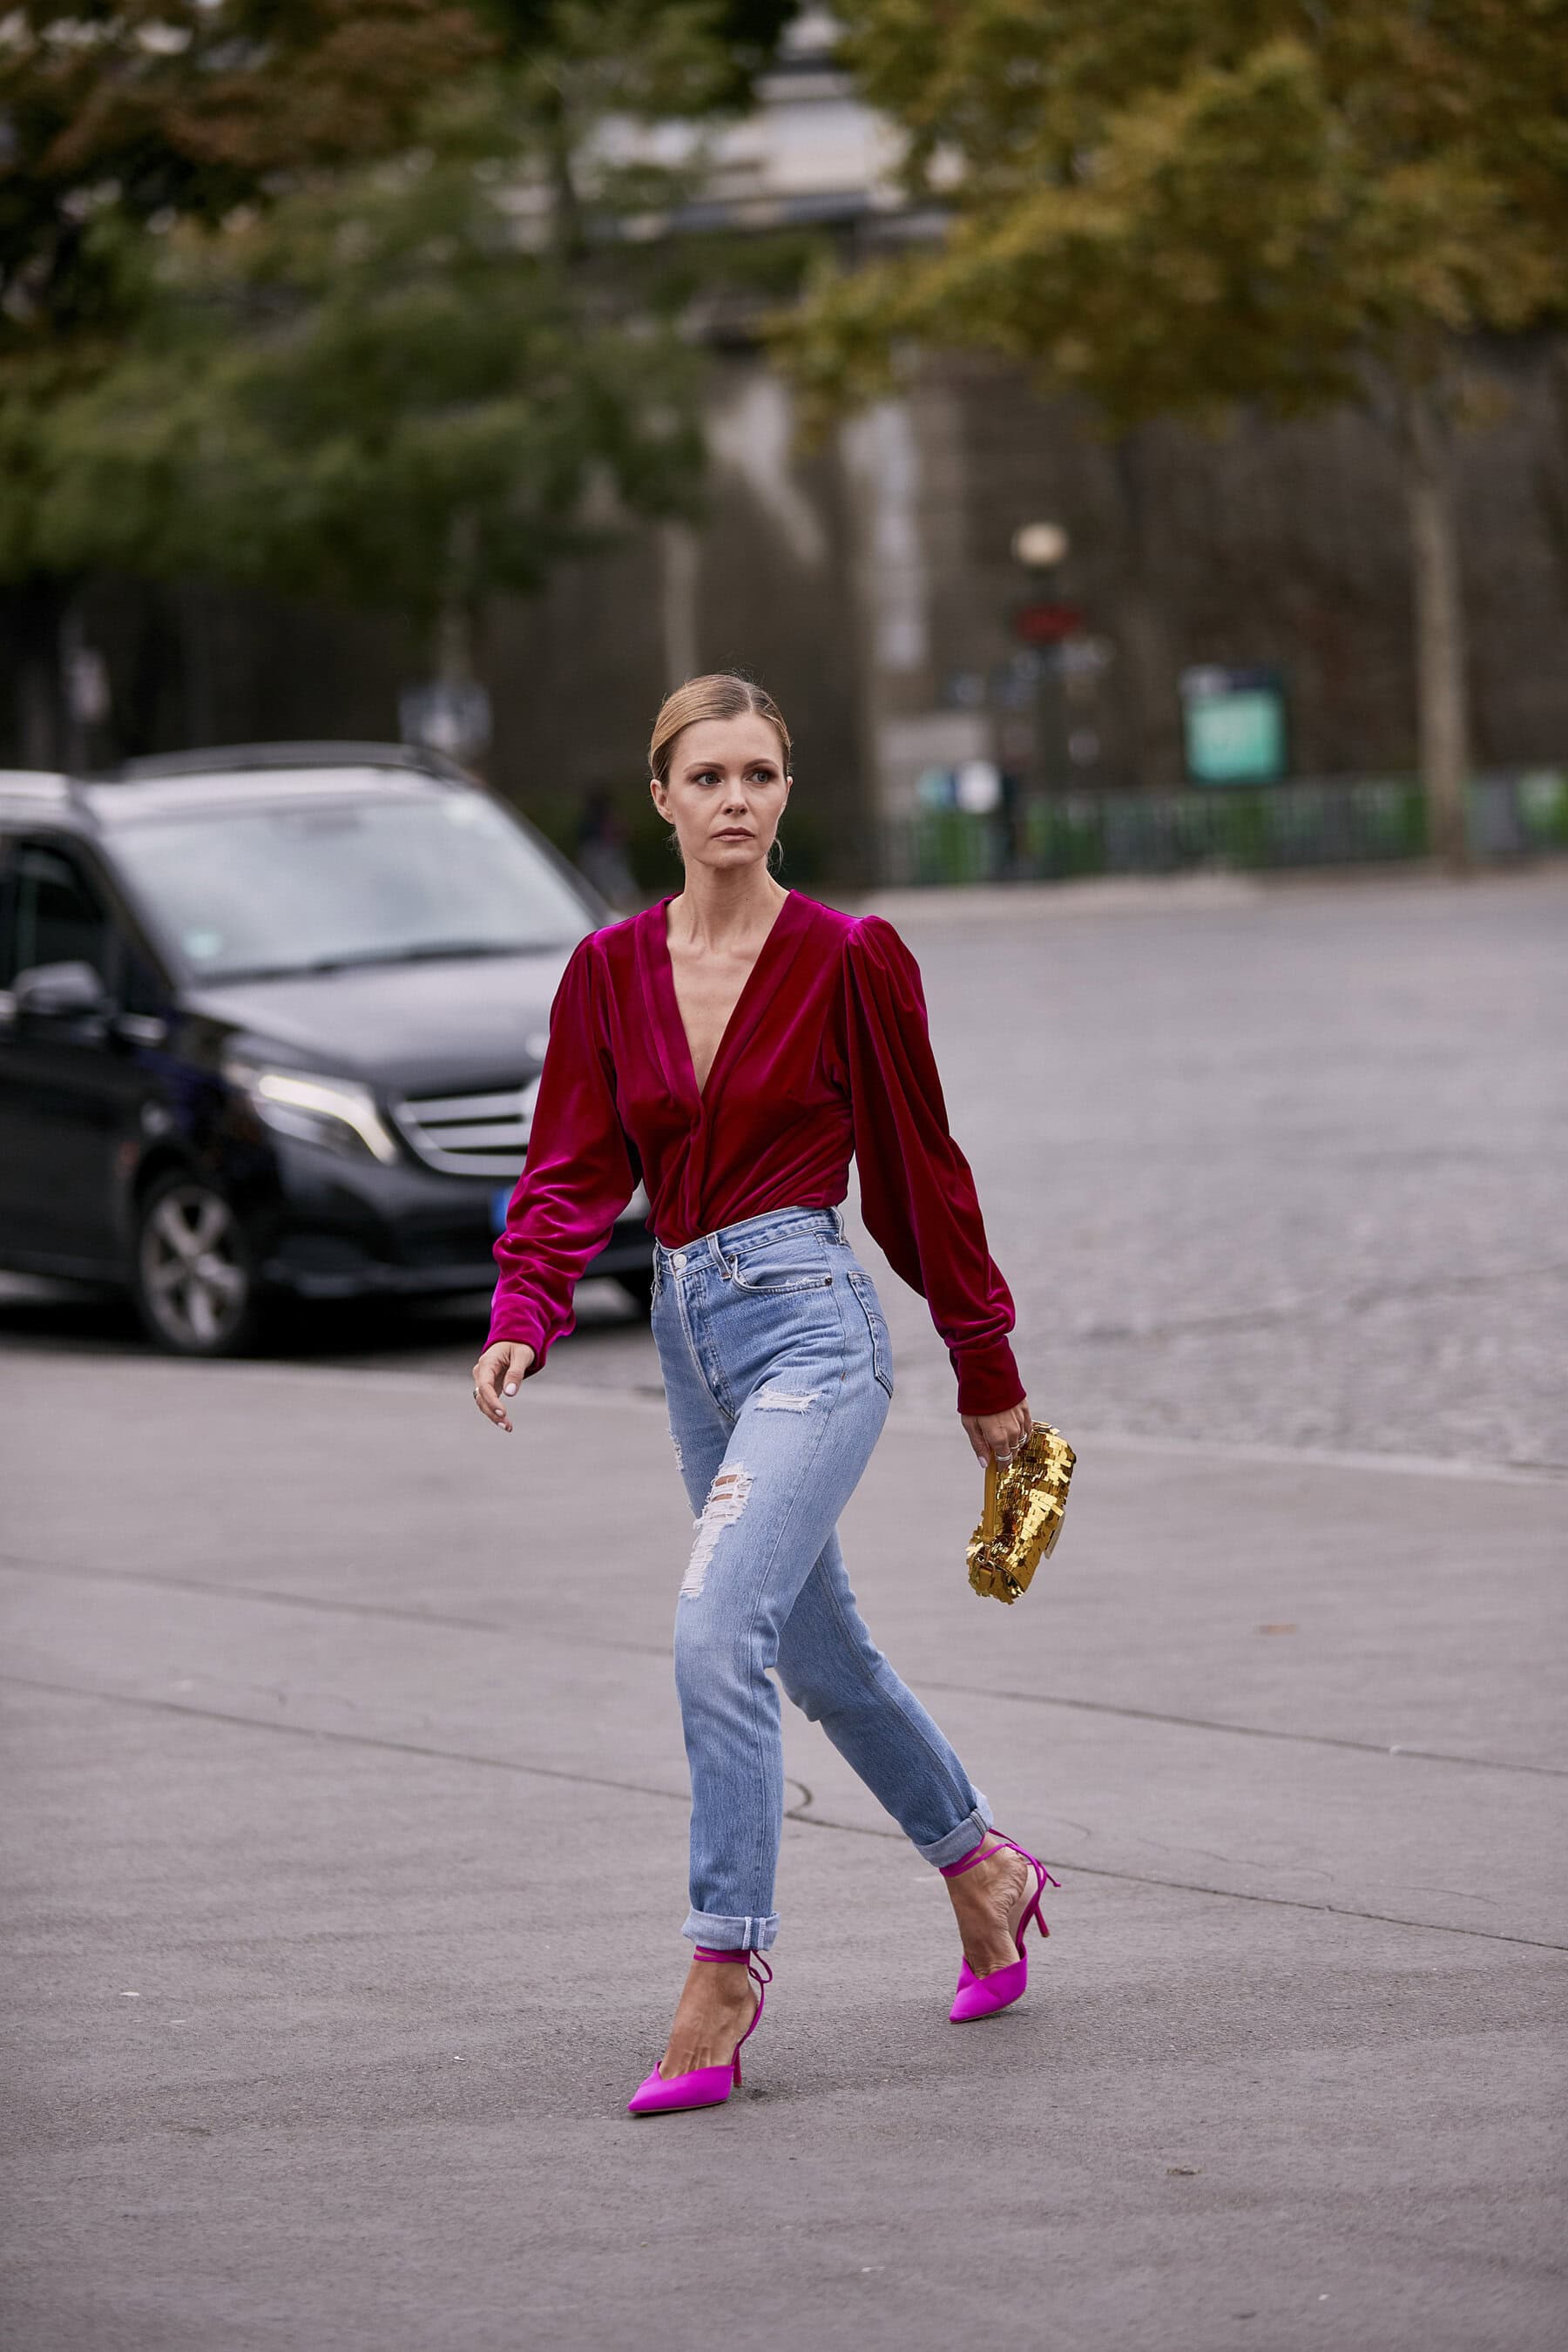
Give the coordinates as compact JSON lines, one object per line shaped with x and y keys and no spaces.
{"x":1176,"y":206}
{"x":118,"y":121}
{"x":121,"y":114}
{"x":335,"y":296}
{"x":383,"y":392}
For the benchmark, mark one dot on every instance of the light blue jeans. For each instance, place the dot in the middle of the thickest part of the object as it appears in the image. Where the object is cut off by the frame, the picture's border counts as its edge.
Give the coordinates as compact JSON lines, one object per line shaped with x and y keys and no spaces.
{"x":778,"y":1372}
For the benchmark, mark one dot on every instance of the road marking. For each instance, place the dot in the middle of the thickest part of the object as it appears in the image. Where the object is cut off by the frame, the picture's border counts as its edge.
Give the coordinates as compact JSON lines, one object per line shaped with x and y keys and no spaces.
{"x":264,"y":1598}
{"x":795,"y":1813}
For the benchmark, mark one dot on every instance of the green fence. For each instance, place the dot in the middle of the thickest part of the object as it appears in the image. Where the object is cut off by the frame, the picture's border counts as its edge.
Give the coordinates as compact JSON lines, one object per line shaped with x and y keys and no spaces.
{"x":1368,"y":821}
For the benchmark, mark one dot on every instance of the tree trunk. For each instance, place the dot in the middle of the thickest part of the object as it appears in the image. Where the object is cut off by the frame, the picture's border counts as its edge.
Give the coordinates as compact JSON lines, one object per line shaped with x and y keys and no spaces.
{"x":31,"y":617}
{"x":37,"y":708}
{"x":455,"y":643}
{"x":1146,"y":683}
{"x":680,"y":566}
{"x":1442,"y":699}
{"x":194,"y":603}
{"x":459,"y":724}
{"x":568,"y":235}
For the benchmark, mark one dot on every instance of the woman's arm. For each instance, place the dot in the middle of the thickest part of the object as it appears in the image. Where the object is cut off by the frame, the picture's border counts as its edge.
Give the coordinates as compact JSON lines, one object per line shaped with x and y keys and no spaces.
{"x":576,"y":1181}
{"x":916,"y":1189}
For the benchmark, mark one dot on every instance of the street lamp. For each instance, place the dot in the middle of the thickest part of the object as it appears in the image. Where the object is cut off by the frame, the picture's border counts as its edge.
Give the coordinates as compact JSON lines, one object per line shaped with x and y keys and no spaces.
{"x":1041,"y":625}
{"x":1039,"y":546}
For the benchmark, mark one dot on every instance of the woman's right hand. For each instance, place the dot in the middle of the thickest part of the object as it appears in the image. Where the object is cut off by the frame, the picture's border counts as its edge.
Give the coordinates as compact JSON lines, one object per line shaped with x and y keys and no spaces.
{"x":499,"y":1374}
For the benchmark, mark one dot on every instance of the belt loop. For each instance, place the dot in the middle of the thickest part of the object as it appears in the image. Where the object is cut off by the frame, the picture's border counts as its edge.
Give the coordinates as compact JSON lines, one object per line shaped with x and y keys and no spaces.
{"x":837,"y":1217}
{"x":714,"y":1252}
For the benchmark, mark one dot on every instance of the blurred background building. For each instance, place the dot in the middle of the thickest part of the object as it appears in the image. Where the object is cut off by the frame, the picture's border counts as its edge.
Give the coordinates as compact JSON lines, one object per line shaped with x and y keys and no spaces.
{"x":872,"y":580}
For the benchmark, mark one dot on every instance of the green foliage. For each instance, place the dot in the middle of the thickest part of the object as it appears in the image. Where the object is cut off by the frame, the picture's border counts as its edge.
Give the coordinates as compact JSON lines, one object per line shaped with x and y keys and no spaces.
{"x":726,"y":43}
{"x":121,"y":112}
{"x":389,"y":390}
{"x":370,"y":313}
{"x":1171,"y":205}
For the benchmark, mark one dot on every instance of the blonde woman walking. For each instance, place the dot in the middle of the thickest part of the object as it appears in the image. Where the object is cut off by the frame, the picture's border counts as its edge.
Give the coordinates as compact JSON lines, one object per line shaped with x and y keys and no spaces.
{"x":744,"y":1044}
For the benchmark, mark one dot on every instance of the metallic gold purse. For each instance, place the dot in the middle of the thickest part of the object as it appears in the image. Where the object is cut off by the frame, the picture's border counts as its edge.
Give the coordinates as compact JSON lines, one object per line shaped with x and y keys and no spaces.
{"x":1023,"y":1515}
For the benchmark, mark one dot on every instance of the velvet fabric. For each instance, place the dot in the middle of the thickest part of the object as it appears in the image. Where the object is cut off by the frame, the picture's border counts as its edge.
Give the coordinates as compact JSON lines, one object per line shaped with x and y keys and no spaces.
{"x":827,"y":1057}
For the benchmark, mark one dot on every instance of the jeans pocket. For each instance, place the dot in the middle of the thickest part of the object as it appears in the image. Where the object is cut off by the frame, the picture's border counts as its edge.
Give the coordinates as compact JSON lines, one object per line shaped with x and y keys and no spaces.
{"x":774,"y":1269}
{"x":861,"y":1282}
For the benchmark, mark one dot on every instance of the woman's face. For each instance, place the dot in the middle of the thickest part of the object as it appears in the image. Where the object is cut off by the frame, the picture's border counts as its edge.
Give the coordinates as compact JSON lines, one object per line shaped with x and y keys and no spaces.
{"x":726,"y":792}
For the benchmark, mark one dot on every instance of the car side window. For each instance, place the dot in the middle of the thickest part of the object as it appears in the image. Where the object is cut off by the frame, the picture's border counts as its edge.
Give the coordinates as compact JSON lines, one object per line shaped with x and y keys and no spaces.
{"x":57,"y":917}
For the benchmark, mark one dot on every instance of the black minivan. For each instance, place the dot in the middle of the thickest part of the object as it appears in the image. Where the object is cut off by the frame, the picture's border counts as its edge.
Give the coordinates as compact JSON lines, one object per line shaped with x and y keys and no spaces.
{"x":271,"y":1020}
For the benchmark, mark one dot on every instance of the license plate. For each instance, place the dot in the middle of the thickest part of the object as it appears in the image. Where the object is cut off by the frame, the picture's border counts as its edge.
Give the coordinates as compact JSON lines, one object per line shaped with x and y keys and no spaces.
{"x":500,"y":1204}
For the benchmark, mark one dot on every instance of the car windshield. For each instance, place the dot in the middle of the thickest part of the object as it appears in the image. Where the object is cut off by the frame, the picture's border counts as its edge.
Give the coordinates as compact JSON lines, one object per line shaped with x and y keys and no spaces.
{"x":253,"y":893}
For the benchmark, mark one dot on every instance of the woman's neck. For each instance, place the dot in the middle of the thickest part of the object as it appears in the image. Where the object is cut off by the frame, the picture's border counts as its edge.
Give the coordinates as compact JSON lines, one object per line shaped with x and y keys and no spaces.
{"x":720,"y":910}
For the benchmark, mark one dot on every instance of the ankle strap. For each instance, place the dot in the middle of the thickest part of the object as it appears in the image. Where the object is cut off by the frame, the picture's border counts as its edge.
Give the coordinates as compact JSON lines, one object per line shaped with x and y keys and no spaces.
{"x":754,"y":1961}
{"x":982,"y":1852}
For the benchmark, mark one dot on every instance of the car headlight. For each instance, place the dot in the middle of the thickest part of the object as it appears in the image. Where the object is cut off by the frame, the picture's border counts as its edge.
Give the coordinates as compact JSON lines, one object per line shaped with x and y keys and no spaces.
{"x":336,"y":1113}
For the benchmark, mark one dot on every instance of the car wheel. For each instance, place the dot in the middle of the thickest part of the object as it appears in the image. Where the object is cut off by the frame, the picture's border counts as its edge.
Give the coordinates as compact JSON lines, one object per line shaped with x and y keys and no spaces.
{"x":638,"y":1289}
{"x":194,"y":1275}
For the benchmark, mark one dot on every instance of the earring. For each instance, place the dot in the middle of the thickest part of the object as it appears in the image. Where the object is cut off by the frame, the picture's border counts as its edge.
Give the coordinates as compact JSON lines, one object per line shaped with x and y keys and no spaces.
{"x":775,"y":843}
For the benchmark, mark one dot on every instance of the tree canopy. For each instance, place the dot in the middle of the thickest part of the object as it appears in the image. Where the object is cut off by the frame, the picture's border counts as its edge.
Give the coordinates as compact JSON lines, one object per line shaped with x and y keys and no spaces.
{"x":1171,"y":205}
{"x":122,"y":113}
{"x":345,"y":297}
{"x":390,"y":390}
{"x":1176,"y":206}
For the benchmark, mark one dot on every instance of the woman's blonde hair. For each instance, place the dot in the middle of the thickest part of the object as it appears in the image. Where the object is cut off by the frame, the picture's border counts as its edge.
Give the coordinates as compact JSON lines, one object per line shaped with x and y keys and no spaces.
{"x":720,"y":694}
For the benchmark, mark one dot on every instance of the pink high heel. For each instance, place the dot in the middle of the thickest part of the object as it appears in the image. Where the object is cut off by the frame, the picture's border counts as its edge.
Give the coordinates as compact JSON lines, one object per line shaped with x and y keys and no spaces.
{"x":704,"y":2086}
{"x":984,"y":1996}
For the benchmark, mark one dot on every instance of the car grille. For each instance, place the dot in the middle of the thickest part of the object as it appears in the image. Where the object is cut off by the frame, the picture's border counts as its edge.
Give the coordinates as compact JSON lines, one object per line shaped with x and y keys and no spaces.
{"x":471,"y":1135}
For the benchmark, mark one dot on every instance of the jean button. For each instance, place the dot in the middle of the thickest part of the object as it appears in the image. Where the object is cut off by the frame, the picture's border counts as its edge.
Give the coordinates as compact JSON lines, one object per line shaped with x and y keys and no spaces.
{"x":679,"y":1264}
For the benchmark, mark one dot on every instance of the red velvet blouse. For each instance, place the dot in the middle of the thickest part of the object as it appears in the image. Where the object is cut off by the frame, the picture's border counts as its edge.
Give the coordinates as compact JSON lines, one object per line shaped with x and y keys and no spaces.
{"x":826,"y":1055}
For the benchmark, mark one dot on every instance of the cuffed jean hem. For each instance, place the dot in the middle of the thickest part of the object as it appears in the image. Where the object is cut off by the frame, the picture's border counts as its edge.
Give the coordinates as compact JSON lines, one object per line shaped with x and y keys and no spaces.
{"x":720,"y":1935}
{"x":970,"y":1832}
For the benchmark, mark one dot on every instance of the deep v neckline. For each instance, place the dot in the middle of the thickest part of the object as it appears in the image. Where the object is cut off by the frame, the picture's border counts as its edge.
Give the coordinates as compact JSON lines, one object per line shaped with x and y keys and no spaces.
{"x":733,"y":1028}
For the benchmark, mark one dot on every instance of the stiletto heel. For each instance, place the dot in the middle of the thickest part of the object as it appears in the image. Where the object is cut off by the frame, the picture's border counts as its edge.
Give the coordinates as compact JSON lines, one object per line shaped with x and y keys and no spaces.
{"x":985,"y":1996}
{"x":703,"y":2087}
{"x":1034,"y":1911}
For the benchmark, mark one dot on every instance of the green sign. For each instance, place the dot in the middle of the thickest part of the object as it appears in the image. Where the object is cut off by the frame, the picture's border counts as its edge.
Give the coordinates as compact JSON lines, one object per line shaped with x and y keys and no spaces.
{"x":1233,"y":724}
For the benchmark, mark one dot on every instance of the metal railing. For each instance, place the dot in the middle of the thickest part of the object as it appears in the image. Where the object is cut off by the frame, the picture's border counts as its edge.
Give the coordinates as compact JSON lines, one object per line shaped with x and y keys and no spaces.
{"x":1369,"y":821}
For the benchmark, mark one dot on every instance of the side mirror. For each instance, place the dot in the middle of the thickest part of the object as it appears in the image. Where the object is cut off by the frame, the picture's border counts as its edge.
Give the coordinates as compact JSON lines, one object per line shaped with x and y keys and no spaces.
{"x":59,"y":991}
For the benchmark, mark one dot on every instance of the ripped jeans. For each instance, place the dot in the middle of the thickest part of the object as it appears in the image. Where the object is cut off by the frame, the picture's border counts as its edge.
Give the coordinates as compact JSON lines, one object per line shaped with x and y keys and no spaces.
{"x":778,"y":1372}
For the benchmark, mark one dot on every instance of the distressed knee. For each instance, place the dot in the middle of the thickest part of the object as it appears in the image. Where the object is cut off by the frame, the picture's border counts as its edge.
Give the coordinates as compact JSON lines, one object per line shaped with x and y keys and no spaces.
{"x":727,"y":1499}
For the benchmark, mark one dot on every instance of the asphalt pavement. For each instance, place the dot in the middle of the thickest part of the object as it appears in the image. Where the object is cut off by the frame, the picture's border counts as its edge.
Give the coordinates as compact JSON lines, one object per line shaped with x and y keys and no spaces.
{"x":345,"y":1826}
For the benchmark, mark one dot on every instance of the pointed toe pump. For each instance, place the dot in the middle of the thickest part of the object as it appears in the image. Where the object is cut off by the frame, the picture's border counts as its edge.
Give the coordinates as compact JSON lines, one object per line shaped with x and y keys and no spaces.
{"x":704,"y":2086}
{"x":984,"y":1996}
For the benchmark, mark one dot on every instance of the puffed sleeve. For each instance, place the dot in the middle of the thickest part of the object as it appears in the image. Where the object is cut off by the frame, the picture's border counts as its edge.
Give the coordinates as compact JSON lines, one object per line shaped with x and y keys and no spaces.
{"x":577,"y":1177}
{"x":917,"y":1193}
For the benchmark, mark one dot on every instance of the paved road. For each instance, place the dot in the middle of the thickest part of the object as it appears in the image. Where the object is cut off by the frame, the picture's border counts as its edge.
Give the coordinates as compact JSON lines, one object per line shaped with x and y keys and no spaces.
{"x":344,"y":1856}
{"x":343,"y":1840}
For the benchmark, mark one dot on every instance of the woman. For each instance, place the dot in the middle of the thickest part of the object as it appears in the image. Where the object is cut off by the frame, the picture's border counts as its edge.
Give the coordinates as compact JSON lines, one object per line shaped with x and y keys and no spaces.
{"x":743,"y":1042}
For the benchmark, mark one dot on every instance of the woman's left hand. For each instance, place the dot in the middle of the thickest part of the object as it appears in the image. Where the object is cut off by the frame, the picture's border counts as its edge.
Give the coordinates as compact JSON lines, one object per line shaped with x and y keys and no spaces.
{"x":997,"y":1436}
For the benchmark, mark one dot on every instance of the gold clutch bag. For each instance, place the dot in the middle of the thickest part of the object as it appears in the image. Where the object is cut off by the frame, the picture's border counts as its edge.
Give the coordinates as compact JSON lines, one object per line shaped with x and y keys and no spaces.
{"x":1023,"y":1515}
